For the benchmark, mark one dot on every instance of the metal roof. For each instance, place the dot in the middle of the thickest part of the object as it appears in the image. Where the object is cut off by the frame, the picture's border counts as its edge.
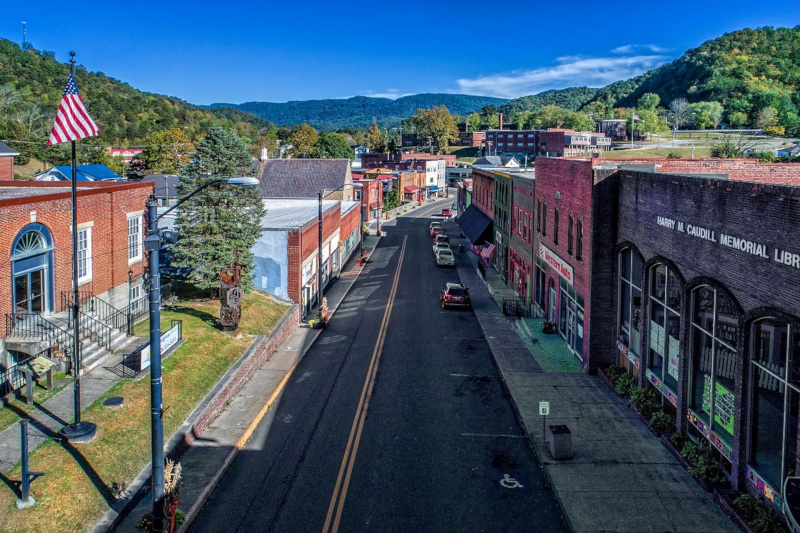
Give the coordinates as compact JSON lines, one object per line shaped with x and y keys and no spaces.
{"x":294,"y":213}
{"x":6,"y":150}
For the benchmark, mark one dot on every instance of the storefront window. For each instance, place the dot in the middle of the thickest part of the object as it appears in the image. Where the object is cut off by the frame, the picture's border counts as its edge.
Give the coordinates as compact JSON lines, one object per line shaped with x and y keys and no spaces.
{"x":774,"y":400}
{"x":714,"y":359}
{"x":664,"y":327}
{"x":630,"y":299}
{"x":540,"y":284}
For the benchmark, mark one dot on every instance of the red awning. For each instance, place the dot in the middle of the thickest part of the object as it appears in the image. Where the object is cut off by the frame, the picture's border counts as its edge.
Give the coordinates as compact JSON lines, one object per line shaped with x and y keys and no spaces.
{"x":408,"y":189}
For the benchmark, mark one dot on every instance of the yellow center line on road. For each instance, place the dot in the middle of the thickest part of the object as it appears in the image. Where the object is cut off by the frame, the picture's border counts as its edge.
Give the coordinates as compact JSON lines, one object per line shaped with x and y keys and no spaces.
{"x":346,"y":469}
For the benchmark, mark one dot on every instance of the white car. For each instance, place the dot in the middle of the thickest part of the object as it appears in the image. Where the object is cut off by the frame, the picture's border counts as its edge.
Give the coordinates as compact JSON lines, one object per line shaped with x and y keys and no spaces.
{"x":445,"y":257}
{"x":440,"y":246}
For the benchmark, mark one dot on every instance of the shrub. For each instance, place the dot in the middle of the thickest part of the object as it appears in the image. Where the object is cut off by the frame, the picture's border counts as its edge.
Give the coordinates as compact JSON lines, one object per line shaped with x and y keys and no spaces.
{"x":702,"y":465}
{"x":645,"y":400}
{"x":613,"y":373}
{"x":673,"y":155}
{"x":679,"y":440}
{"x":661,"y":421}
{"x":625,"y":385}
{"x":759,"y":515}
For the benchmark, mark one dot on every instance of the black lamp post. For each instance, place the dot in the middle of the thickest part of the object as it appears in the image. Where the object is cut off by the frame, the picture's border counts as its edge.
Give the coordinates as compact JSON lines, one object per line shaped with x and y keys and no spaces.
{"x":152,"y":244}
{"x":130,"y":278}
{"x":319,"y":246}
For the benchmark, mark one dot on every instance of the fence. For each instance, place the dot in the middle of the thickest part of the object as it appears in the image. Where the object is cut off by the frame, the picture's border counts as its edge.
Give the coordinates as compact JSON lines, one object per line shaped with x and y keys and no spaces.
{"x":13,"y":378}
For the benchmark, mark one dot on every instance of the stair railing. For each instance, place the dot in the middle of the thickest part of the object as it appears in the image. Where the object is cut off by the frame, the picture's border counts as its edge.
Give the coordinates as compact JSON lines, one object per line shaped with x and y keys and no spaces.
{"x":32,"y":325}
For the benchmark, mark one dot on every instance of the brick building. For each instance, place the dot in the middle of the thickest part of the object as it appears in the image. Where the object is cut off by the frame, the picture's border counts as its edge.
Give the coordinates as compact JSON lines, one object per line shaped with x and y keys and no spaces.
{"x":689,"y":278}
{"x":476,"y":218}
{"x":7,"y":162}
{"x":368,"y":192}
{"x":520,"y":249}
{"x":501,"y":219}
{"x":553,"y":142}
{"x":286,"y":253}
{"x":36,"y":240}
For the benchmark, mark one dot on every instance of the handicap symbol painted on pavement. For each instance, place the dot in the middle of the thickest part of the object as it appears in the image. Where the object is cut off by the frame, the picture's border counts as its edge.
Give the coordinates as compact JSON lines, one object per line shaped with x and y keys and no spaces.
{"x":510,"y":483}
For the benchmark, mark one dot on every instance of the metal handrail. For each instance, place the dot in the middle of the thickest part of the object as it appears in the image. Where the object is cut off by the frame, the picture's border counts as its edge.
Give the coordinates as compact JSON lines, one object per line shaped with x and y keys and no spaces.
{"x":12,"y":378}
{"x":100,"y":310}
{"x":36,"y":326}
{"x":92,"y":328}
{"x":66,"y":298}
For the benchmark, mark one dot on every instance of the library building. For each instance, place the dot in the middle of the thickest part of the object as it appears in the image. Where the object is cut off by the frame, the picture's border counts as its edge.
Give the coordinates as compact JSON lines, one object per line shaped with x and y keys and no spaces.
{"x":707,"y":306}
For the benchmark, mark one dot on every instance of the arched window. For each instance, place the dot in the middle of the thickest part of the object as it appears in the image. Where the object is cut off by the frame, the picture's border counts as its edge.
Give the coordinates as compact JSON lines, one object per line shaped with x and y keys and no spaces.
{"x":774,"y":399}
{"x":630,"y":299}
{"x":29,"y":242}
{"x":714,"y":338}
{"x":664,"y":326}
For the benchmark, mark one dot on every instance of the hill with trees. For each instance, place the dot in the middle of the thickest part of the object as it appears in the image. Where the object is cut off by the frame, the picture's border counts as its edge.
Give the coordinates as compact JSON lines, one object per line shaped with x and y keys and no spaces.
{"x":32,"y":83}
{"x":359,"y":112}
{"x":754,"y":74}
{"x":571,"y":99}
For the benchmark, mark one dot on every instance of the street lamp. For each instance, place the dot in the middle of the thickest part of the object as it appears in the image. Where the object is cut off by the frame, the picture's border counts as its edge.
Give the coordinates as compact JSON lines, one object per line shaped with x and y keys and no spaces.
{"x":130,"y":278}
{"x":319,"y":244}
{"x":152,"y":244}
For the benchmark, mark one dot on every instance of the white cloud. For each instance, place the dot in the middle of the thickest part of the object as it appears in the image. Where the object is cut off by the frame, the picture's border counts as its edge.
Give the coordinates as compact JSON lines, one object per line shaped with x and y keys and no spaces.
{"x":394,"y":94}
{"x":572,"y":71}
{"x":631,"y":48}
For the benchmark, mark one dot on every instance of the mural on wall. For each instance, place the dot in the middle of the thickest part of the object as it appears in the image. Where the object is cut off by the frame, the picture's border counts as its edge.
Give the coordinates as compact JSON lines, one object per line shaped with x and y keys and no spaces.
{"x":270,"y":263}
{"x":230,"y":296}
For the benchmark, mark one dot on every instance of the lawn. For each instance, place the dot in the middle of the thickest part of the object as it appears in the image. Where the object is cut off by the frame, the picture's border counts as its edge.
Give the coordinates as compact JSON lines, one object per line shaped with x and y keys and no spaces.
{"x":685,"y":153}
{"x":10,"y":412}
{"x":81,"y":482}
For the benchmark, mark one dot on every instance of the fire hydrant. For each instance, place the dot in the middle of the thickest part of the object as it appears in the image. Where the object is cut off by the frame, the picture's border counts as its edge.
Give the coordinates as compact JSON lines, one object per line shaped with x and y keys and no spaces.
{"x":362,"y":258}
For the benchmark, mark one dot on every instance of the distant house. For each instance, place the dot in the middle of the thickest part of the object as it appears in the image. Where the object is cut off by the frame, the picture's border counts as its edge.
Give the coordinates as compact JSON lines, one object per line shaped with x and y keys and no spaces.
{"x":125,"y":153}
{"x":7,"y":162}
{"x":496,"y":161}
{"x":83,"y":172}
{"x":789,"y":151}
{"x":166,"y":188}
{"x":306,"y":178}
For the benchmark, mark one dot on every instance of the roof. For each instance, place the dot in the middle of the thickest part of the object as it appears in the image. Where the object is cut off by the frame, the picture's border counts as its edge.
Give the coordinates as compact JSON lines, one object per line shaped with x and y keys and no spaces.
{"x":6,"y":150}
{"x":293,"y":213}
{"x":495,"y":161}
{"x":84,"y":173}
{"x":302,"y":178}
{"x":475,"y":225}
{"x":166,"y":185}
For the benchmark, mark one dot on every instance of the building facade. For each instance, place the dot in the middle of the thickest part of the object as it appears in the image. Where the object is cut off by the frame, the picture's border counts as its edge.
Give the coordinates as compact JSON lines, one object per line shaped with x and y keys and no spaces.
{"x":502,"y":222}
{"x":520,"y":250}
{"x":7,"y":162}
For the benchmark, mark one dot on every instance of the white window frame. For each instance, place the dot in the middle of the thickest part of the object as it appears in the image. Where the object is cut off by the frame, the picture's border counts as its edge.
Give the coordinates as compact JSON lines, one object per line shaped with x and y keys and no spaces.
{"x":86,"y":230}
{"x":138,"y":242}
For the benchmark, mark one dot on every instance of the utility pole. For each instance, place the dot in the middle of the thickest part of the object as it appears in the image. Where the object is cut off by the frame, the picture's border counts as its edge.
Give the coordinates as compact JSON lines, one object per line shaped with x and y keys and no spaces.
{"x":319,"y":260}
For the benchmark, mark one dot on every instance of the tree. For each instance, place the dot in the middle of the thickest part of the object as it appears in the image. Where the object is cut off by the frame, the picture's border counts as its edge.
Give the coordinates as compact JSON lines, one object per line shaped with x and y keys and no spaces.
{"x":733,"y":148}
{"x":333,"y":146}
{"x":220,"y":225}
{"x":766,"y":117}
{"x":474,"y":122}
{"x":552,"y":116}
{"x":678,"y":113}
{"x":738,"y":119}
{"x":706,"y":114}
{"x":303,"y":139}
{"x":648,"y":121}
{"x":648,"y":101}
{"x":437,"y":123}
{"x":167,"y":151}
{"x":375,"y":138}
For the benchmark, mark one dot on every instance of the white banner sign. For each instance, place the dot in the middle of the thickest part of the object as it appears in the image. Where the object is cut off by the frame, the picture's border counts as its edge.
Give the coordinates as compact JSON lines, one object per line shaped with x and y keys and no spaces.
{"x":168,"y":339}
{"x":559,"y":265}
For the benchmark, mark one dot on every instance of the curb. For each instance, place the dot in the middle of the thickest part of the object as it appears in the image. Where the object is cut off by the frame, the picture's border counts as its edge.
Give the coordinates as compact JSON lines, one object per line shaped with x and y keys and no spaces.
{"x":201,"y":500}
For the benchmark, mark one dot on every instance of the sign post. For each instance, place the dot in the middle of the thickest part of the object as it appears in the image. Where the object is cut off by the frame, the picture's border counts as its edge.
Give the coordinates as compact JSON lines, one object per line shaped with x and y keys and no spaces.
{"x":544,"y":410}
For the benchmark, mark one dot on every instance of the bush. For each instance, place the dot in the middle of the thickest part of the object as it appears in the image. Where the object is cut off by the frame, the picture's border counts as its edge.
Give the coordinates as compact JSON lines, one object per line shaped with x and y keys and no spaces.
{"x":702,"y":465}
{"x":759,"y":515}
{"x":645,"y":400}
{"x":661,"y":421}
{"x":679,"y":440}
{"x":613,"y":373}
{"x":673,"y":155}
{"x":625,"y":385}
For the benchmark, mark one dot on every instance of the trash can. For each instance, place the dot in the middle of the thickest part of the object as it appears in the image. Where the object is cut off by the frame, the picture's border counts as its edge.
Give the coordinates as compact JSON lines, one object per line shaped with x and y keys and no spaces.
{"x":560,"y":442}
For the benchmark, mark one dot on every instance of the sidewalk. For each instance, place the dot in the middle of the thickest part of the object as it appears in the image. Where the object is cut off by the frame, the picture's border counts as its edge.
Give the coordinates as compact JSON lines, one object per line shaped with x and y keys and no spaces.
{"x":621,"y":477}
{"x":209,"y":456}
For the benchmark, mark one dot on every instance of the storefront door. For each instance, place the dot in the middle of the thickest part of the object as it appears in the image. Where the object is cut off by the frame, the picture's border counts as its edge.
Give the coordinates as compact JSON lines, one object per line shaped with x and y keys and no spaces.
{"x":29,"y":292}
{"x":571,"y":325}
{"x":553,"y":314}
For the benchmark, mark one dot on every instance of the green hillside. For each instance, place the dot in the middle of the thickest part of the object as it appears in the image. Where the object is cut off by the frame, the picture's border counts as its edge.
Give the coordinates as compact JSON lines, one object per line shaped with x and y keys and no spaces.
{"x":360,"y":111}
{"x":572,"y":98}
{"x":31,"y":85}
{"x":746,"y":71}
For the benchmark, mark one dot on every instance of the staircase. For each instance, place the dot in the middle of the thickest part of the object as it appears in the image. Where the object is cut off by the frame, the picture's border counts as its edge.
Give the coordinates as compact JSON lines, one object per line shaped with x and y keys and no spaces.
{"x":32,"y":333}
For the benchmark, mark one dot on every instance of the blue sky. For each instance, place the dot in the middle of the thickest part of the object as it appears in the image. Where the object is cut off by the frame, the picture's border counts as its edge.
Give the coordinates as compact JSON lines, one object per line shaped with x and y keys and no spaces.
{"x":206,"y":52}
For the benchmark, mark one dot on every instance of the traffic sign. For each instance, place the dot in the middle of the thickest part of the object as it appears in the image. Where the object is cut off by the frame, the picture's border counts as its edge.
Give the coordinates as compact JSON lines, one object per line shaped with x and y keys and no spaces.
{"x":544,"y":408}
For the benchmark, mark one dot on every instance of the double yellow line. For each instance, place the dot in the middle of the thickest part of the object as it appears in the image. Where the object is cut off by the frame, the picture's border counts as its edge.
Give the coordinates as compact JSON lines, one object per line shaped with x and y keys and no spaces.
{"x":334,"y":515}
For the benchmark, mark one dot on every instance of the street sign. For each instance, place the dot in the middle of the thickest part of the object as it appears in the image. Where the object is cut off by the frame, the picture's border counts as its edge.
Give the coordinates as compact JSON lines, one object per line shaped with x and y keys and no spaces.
{"x":544,"y":408}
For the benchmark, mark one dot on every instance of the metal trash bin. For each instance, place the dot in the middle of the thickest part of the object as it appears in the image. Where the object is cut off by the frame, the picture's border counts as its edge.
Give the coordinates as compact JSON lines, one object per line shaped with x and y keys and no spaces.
{"x":560,"y":442}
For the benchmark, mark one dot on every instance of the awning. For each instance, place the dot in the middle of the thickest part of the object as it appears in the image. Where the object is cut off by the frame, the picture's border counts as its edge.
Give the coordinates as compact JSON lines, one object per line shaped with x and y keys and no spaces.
{"x":408,"y":189}
{"x":476,"y":226}
{"x":433,"y":188}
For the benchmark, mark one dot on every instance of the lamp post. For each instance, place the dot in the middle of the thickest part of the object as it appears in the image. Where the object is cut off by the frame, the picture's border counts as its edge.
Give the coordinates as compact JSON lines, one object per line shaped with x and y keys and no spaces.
{"x":319,"y":244}
{"x":130,"y":278}
{"x":152,"y":244}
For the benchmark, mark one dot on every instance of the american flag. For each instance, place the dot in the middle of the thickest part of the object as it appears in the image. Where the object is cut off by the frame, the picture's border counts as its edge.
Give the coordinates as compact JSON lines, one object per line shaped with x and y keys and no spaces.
{"x":72,"y":120}
{"x":635,"y":116}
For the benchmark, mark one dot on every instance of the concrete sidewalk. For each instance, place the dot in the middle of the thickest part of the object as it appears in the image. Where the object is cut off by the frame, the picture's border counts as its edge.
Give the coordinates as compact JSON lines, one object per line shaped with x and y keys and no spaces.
{"x":209,"y":456}
{"x":621,"y":477}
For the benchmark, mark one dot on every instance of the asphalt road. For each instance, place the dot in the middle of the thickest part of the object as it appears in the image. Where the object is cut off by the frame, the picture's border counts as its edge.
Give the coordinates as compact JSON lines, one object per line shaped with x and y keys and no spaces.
{"x":414,"y":434}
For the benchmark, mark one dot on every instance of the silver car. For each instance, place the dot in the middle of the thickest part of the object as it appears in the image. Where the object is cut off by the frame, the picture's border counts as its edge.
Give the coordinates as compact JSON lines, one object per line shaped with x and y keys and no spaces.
{"x":445,"y":257}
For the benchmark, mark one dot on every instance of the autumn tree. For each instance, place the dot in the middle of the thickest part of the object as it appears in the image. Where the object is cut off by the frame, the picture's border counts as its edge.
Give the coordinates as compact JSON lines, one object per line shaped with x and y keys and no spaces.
{"x":167,"y":151}
{"x":474,"y":122}
{"x":438,"y":124}
{"x":375,"y":138}
{"x":220,"y":225}
{"x":303,"y":140}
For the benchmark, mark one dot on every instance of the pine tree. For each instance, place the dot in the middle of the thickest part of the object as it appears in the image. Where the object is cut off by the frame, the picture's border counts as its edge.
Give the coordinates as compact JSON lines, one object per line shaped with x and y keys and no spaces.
{"x":220,"y":225}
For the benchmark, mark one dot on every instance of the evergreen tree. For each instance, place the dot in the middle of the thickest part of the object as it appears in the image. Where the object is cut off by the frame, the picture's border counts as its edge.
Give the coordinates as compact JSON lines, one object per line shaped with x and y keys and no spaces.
{"x":220,"y":225}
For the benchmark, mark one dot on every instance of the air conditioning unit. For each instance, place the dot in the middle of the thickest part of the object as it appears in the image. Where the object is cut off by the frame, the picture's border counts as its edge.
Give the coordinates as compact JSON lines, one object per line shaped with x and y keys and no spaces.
{"x":558,"y":195}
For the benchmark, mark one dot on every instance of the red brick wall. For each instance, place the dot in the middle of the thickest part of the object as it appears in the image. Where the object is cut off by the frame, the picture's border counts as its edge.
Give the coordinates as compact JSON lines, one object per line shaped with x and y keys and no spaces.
{"x":294,"y":265}
{"x":483,"y":192}
{"x":104,"y":204}
{"x":350,"y":221}
{"x":6,"y":168}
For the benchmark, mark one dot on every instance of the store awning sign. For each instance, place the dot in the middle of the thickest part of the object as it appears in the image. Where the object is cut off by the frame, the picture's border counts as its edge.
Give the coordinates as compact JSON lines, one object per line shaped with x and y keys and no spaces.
{"x":559,"y":265}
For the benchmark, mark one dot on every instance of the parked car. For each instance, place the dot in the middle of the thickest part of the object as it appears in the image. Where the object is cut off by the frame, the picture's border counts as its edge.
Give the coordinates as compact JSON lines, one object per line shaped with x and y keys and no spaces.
{"x":440,"y":246}
{"x":445,"y":257}
{"x":447,"y":212}
{"x":455,"y":294}
{"x":441,"y":238}
{"x":433,"y":226}
{"x":438,"y":231}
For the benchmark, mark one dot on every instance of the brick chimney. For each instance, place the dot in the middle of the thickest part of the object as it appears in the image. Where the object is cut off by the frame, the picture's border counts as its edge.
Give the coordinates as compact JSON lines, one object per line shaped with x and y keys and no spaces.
{"x":500,"y":121}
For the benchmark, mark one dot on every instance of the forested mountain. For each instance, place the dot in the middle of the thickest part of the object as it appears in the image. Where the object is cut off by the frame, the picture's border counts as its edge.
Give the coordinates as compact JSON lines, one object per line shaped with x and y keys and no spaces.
{"x":572,"y":98}
{"x":747,"y":71}
{"x":31,"y":85}
{"x":360,"y":111}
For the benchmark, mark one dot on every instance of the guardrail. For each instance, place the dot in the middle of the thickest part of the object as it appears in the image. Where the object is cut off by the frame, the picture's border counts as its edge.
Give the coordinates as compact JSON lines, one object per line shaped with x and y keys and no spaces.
{"x":32,"y":325}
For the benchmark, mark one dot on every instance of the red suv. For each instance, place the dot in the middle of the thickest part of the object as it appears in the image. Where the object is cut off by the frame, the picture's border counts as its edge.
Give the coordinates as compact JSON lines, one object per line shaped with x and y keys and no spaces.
{"x":455,"y":294}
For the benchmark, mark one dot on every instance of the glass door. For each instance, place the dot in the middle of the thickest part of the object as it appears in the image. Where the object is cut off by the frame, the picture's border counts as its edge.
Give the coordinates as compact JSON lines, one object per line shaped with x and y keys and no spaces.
{"x":29,"y":292}
{"x":571,"y":324}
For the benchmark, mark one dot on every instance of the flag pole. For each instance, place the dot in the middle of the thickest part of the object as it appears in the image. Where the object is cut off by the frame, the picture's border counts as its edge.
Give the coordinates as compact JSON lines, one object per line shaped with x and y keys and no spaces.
{"x":78,"y":431}
{"x":633,"y":118}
